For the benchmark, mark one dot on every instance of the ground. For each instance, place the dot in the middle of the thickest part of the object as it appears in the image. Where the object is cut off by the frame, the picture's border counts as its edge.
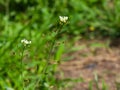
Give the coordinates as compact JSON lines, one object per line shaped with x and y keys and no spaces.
{"x":90,"y":59}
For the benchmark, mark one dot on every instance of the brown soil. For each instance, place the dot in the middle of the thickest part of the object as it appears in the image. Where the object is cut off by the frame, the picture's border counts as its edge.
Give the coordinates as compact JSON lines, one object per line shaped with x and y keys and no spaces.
{"x":85,"y":62}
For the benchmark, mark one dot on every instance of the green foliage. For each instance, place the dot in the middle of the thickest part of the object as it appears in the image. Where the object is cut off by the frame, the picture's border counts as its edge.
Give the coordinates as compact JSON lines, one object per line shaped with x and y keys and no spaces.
{"x":89,"y":18}
{"x":30,"y":67}
{"x":37,"y":20}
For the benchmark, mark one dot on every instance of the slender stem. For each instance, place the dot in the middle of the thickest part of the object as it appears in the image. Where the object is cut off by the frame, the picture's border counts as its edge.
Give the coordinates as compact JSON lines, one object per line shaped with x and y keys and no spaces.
{"x":49,"y":54}
{"x":7,"y":7}
{"x":7,"y":14}
{"x":22,"y":76}
{"x":51,"y":49}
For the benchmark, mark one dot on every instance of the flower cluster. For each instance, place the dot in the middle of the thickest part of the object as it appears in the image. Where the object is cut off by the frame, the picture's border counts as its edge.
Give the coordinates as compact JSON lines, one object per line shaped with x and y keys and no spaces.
{"x":63,"y":19}
{"x":25,"y":42}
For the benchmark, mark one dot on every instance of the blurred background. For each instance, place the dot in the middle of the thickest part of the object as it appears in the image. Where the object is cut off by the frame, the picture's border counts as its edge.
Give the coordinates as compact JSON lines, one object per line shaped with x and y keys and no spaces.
{"x":91,"y":36}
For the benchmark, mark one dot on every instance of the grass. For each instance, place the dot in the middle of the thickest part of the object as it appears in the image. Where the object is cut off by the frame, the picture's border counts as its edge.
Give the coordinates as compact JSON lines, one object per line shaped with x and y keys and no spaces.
{"x":35,"y":64}
{"x":38,"y":22}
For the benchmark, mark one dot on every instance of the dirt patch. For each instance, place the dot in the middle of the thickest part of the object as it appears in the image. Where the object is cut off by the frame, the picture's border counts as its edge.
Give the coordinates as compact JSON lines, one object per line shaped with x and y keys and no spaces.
{"x":99,"y":59}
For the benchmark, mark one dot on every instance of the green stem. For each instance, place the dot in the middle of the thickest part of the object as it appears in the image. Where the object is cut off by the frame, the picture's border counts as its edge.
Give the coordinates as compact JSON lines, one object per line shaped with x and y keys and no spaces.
{"x":22,"y":77}
{"x":51,"y":49}
{"x":7,"y":15}
{"x":49,"y":54}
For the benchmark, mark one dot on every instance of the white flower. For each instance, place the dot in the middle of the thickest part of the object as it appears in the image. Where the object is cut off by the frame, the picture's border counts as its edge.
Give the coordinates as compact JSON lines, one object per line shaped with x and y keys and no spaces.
{"x":25,"y":42}
{"x":63,"y":19}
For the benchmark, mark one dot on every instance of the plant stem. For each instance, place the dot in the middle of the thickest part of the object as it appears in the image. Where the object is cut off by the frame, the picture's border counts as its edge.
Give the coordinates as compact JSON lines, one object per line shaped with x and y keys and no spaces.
{"x":51,"y":49}
{"x":49,"y":54}
{"x":7,"y":15}
{"x":22,"y":76}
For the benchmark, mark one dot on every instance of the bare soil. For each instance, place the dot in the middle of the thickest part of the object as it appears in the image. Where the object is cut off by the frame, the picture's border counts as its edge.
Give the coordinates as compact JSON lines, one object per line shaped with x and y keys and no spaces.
{"x":90,"y":60}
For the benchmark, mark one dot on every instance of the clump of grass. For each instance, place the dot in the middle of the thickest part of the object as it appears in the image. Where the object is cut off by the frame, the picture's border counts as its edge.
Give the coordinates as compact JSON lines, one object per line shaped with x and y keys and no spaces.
{"x":46,"y":74}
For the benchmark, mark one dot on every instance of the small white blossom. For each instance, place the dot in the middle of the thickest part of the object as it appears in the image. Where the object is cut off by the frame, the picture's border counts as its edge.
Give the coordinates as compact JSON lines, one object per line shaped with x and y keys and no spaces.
{"x":63,"y":19}
{"x":25,"y":42}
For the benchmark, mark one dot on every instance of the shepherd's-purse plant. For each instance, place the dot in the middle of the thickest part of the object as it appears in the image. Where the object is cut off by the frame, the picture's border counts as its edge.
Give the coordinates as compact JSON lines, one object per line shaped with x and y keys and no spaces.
{"x":62,"y":21}
{"x":25,"y":43}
